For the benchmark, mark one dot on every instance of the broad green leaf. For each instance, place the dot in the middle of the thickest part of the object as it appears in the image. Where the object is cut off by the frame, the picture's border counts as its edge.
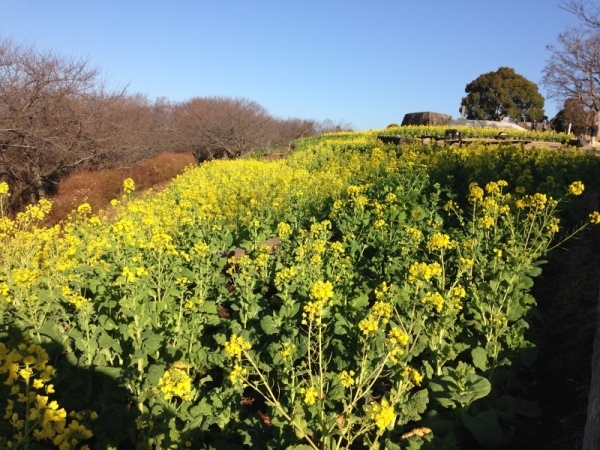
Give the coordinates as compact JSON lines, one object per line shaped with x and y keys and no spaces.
{"x":154,"y":373}
{"x":415,"y":406}
{"x":485,"y":428}
{"x":152,"y":341}
{"x":479,"y":356}
{"x":268,"y":325}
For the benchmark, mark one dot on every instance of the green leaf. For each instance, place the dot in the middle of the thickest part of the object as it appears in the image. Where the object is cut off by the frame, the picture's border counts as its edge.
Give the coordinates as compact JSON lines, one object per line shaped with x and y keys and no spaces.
{"x":201,"y":409}
{"x":342,"y":325}
{"x":360,"y":302}
{"x":478,"y":387}
{"x":154,"y":374}
{"x":485,"y":428}
{"x":152,"y":341}
{"x":415,"y":406}
{"x":479,"y":356}
{"x":268,"y":325}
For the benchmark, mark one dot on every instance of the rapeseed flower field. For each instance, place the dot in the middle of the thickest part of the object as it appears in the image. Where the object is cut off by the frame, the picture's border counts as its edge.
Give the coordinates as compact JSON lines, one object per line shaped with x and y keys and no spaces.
{"x":390,"y":310}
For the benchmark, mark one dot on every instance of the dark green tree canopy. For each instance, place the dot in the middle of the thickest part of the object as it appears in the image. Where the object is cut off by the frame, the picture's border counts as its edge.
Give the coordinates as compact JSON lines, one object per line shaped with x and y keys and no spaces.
{"x":495,"y":95}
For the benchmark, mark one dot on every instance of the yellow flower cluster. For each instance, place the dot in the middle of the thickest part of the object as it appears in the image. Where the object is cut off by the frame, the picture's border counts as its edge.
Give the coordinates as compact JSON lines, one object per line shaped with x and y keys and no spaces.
{"x":434,"y":298}
{"x":285,"y":274}
{"x":398,"y":336}
{"x":382,"y":311}
{"x":369,"y":325}
{"x":576,"y":188}
{"x":287,"y":350}
{"x":412,"y":375}
{"x":322,"y":293}
{"x":84,"y":209}
{"x":397,"y":339}
{"x":4,"y":188}
{"x":284,"y":230}
{"x":175,"y":382}
{"x":347,"y":378}
{"x":414,"y":234}
{"x":536,"y":201}
{"x":595,"y":218}
{"x":238,"y":374}
{"x":310,"y":395}
{"x":33,"y":414}
{"x":128,"y":185}
{"x":495,"y":187}
{"x":382,"y":414}
{"x":381,"y":290}
{"x":423,"y":271}
{"x":321,"y":290}
{"x":439,"y":241}
{"x":236,"y":346}
{"x":475,"y":192}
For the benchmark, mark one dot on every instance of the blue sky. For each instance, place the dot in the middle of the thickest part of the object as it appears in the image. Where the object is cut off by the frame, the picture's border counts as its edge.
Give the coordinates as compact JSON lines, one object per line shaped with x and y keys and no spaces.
{"x":363,"y":63}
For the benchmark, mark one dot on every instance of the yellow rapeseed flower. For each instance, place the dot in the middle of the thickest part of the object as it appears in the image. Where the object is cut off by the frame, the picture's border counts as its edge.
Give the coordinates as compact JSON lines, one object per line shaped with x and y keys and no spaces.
{"x":286,"y":351}
{"x":475,"y":192}
{"x":236,"y":345}
{"x":347,"y":378}
{"x":576,"y":188}
{"x":128,"y":185}
{"x":238,"y":374}
{"x":321,"y":290}
{"x":368,"y":326}
{"x":175,"y":383}
{"x":310,"y":395}
{"x":382,"y":414}
{"x":382,"y":310}
{"x":439,"y":241}
{"x":435,"y":299}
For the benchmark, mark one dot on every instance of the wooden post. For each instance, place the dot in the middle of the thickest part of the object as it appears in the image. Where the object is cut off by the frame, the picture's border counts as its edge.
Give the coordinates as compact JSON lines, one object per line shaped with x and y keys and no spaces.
{"x":591,"y":438}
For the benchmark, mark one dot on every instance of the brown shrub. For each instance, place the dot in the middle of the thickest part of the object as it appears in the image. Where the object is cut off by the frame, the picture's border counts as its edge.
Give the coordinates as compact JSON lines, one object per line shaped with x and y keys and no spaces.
{"x":164,"y":167}
{"x":98,"y":188}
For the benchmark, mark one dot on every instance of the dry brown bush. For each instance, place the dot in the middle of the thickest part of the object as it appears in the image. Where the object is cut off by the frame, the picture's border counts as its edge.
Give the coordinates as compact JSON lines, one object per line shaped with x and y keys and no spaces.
{"x":98,"y":188}
{"x":163,"y":167}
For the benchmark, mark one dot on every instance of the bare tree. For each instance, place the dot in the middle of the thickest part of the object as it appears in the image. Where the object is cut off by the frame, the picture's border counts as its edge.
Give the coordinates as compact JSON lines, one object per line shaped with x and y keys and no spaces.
{"x":55,"y":114}
{"x":573,"y":70}
{"x":220,"y":127}
{"x":585,"y":10}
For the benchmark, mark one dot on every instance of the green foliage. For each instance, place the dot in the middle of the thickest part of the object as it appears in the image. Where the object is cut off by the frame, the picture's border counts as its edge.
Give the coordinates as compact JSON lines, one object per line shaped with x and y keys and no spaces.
{"x":494,"y":95}
{"x":392,"y":311}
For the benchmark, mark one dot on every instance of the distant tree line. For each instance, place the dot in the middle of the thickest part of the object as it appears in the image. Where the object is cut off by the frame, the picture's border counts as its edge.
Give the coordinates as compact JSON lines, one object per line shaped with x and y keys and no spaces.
{"x":57,"y":116}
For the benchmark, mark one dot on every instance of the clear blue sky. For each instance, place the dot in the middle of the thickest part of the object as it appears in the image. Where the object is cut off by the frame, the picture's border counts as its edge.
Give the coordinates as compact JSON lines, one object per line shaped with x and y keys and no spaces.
{"x":362,"y":62}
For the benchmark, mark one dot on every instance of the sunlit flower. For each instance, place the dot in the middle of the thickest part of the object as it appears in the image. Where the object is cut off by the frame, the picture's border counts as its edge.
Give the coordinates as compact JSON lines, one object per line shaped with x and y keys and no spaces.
{"x":382,"y":414}
{"x":175,"y":382}
{"x":310,"y":395}
{"x":347,"y":378}
{"x":128,"y":185}
{"x":412,"y":375}
{"x":4,"y":188}
{"x":236,"y":345}
{"x":475,"y":192}
{"x":368,"y":325}
{"x":439,"y":241}
{"x":576,"y":188}
{"x":238,"y":374}
{"x":434,"y":298}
